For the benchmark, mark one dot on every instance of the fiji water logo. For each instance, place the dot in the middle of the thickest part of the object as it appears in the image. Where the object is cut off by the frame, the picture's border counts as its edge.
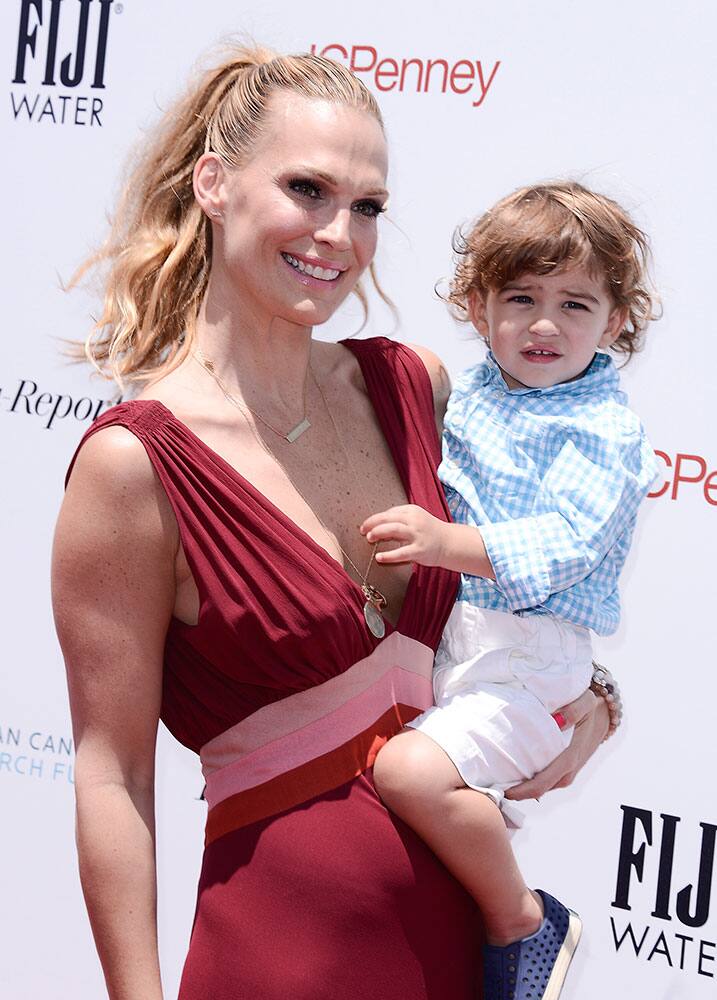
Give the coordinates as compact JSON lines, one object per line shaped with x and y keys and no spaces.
{"x":663,"y":893}
{"x":60,"y":61}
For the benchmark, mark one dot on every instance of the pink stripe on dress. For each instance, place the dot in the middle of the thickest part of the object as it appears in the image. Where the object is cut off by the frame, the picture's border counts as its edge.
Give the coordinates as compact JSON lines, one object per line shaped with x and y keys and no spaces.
{"x":300,"y":710}
{"x":314,"y":778}
{"x":315,"y":739}
{"x":396,"y":686}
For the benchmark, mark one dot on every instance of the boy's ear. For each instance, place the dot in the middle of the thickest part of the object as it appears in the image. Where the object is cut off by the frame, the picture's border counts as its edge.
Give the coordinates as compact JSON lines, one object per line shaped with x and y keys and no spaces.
{"x":615,"y":325}
{"x":476,"y":311}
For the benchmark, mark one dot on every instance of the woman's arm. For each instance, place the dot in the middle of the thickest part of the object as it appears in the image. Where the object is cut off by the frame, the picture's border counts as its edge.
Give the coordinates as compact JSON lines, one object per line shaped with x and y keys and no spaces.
{"x":113,"y":594}
{"x":591,"y":718}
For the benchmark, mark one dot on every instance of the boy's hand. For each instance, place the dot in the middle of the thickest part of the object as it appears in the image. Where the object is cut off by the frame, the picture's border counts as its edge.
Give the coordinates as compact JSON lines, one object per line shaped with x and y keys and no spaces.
{"x":425,"y":539}
{"x":421,"y":537}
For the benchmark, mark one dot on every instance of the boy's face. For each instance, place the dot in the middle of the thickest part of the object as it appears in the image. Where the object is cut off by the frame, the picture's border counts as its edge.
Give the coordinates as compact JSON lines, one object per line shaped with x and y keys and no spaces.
{"x":545,"y":328}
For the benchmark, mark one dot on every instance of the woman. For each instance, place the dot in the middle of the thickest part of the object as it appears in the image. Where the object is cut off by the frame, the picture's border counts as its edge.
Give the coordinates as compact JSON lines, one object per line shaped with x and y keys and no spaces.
{"x":208,"y":566}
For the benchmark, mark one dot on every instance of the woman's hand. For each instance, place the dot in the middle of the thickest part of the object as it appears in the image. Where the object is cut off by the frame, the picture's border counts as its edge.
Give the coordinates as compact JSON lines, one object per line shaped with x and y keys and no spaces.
{"x":589,"y":714}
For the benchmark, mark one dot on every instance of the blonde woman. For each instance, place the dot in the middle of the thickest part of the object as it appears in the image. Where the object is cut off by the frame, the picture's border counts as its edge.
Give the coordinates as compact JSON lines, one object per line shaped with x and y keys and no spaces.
{"x":208,"y":567}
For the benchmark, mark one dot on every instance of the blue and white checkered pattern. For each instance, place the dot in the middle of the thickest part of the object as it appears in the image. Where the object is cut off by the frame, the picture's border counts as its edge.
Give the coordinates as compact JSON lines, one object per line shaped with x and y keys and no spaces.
{"x":553,"y":478}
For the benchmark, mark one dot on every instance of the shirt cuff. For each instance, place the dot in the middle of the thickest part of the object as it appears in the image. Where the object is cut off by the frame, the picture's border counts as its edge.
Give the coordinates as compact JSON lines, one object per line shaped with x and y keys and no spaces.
{"x":519,"y":564}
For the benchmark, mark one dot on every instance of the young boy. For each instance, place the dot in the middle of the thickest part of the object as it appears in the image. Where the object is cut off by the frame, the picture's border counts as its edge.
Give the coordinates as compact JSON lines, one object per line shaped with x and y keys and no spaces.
{"x":544,"y":468}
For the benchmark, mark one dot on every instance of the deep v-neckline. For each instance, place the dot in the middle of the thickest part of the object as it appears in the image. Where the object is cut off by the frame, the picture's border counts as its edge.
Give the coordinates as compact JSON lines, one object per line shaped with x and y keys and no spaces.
{"x":289,"y":524}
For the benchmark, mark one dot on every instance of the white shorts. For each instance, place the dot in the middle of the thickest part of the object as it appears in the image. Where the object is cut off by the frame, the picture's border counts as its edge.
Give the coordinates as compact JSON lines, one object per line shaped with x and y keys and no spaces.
{"x":496,"y":680}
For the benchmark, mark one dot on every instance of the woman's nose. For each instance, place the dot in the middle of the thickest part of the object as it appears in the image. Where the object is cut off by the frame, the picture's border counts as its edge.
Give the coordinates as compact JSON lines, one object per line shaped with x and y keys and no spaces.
{"x":336,"y":230}
{"x":544,"y":327}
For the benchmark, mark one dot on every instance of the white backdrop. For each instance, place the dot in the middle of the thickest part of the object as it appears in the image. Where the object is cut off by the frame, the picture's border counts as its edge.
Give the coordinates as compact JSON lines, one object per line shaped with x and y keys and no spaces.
{"x":614,"y":94}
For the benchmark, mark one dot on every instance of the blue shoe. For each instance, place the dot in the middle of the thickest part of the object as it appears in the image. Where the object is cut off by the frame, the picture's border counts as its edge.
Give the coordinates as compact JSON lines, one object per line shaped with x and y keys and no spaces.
{"x":535,"y":967}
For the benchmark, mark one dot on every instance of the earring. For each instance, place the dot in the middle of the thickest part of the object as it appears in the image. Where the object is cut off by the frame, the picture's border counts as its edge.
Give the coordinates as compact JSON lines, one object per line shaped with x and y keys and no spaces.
{"x":215,"y":213}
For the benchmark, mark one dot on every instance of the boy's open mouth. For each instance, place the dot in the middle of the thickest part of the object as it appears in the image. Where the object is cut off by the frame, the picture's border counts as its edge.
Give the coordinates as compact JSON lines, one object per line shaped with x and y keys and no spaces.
{"x":536,"y":353}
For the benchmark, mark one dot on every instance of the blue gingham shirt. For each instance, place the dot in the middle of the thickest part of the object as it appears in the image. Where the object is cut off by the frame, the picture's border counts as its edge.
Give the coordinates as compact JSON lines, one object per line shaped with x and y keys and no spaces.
{"x":553,"y":478}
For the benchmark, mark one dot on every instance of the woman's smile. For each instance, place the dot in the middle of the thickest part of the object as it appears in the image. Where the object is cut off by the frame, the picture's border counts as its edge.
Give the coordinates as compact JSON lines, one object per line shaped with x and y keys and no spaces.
{"x":313,"y":271}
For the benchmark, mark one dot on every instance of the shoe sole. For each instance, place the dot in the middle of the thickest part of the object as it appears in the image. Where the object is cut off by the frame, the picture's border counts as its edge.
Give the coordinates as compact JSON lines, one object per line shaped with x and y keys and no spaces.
{"x":565,"y":957}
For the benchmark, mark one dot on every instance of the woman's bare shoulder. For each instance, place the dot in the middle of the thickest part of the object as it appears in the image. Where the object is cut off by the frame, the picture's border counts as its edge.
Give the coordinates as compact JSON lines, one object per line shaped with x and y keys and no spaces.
{"x":438,"y":374}
{"x":112,"y":458}
{"x":113,"y":483}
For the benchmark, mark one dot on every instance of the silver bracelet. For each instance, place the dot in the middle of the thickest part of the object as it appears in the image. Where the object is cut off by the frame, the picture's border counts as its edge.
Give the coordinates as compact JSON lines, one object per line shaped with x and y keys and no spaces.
{"x":605,"y":685}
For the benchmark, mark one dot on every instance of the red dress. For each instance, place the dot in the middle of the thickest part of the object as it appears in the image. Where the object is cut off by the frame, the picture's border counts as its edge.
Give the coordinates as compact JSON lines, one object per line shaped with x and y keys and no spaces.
{"x":310,"y":889}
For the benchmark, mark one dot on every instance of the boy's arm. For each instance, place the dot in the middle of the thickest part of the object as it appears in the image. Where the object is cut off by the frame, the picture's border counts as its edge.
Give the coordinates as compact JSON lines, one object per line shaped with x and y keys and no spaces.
{"x":587,"y":502}
{"x":589,"y":499}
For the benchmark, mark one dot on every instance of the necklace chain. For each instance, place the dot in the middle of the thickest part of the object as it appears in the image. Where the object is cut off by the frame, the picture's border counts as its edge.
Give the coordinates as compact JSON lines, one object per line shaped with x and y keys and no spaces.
{"x":295,"y":432}
{"x":371,"y":593}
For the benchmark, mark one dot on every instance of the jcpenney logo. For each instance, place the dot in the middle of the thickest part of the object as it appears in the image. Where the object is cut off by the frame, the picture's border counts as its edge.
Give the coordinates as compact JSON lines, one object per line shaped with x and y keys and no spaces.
{"x":683,"y":472}
{"x":28,"y":399}
{"x":61,"y":47}
{"x":673,"y":936}
{"x":471,"y":77}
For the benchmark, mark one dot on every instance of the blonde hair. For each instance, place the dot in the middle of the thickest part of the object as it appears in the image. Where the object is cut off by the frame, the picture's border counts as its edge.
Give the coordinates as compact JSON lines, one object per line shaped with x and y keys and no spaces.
{"x":158,"y":252}
{"x":558,"y":224}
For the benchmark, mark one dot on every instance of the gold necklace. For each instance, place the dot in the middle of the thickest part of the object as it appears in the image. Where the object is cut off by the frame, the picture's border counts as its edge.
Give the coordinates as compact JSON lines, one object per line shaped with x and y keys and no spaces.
{"x":290,"y":436}
{"x":375,"y":601}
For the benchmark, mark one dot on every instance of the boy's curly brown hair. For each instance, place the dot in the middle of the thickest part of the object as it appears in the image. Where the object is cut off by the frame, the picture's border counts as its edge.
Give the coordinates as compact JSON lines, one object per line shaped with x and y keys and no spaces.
{"x":554,"y":225}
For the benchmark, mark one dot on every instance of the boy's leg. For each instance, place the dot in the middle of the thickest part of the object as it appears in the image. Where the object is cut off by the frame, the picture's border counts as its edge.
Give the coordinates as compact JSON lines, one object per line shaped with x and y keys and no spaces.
{"x":418,"y":781}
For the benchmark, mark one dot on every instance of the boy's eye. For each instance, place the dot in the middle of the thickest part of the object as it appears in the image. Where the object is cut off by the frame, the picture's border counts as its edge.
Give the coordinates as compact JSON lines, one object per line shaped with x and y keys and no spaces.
{"x":521,"y":299}
{"x":305,"y":187}
{"x":576,"y":305}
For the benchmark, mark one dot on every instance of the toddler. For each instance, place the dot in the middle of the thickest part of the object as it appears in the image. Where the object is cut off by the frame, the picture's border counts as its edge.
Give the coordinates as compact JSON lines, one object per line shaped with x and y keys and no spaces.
{"x":544,"y":468}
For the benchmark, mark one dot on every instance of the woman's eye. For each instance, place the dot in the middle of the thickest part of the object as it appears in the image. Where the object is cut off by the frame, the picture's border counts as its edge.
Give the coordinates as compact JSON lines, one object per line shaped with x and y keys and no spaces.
{"x":371,"y":209}
{"x":306,"y":188}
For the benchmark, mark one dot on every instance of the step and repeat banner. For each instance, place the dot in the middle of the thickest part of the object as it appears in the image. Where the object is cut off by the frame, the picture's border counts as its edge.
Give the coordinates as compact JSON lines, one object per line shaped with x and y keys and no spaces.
{"x":479,"y":98}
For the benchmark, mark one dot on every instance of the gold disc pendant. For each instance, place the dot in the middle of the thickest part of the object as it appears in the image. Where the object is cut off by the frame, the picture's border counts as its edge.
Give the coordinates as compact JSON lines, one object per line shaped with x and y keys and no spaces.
{"x":372,"y":617}
{"x":372,"y":610}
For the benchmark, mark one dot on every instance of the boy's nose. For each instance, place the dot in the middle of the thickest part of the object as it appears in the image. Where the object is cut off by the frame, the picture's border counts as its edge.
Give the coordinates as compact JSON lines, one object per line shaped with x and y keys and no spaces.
{"x":544,"y":327}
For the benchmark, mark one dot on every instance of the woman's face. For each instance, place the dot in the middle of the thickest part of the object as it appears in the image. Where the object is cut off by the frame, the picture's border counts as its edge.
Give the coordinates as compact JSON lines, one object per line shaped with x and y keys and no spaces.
{"x":299,"y":220}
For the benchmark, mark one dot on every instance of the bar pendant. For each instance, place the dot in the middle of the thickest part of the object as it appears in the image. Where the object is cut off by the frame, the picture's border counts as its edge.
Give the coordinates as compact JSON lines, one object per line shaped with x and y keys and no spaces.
{"x":297,"y":431}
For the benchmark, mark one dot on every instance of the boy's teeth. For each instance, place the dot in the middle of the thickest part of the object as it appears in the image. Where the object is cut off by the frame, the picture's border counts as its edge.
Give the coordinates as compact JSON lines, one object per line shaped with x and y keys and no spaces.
{"x":323,"y":273}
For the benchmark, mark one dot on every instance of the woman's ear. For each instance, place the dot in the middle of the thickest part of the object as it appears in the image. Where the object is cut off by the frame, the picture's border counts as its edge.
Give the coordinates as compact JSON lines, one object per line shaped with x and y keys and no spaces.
{"x":477,"y":313}
{"x":615,"y":325}
{"x":209,"y":180}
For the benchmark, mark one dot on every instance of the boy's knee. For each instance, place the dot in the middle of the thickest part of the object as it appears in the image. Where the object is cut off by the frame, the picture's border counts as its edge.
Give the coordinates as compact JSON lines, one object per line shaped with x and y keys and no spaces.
{"x":405,"y":768}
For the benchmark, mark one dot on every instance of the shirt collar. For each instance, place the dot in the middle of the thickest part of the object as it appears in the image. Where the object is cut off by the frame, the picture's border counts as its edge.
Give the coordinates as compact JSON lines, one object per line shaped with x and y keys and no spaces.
{"x":600,"y":376}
